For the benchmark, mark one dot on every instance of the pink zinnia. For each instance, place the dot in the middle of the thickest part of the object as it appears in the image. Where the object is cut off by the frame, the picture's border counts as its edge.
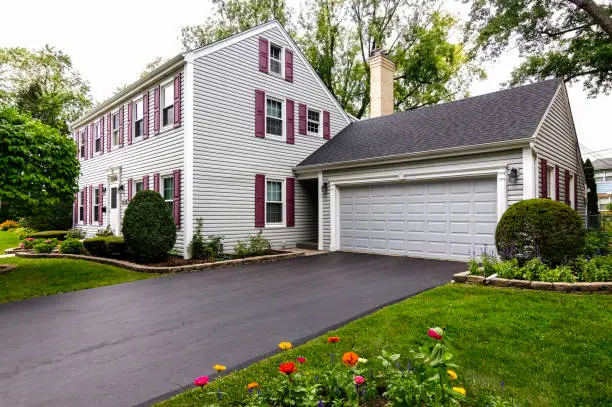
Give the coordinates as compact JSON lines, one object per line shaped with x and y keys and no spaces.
{"x":22,"y":245}
{"x":359,"y":380}
{"x":201,"y":381}
{"x":301,"y":360}
{"x":435,"y":333}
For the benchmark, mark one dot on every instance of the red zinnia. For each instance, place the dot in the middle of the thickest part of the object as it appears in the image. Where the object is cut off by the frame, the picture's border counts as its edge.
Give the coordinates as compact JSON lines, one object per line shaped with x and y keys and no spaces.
{"x":287,"y":368}
{"x":301,"y":360}
{"x":333,"y":339}
{"x":435,"y":333}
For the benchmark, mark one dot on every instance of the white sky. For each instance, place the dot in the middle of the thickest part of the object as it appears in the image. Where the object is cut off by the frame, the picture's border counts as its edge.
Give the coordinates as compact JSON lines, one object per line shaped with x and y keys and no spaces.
{"x":111,"y":41}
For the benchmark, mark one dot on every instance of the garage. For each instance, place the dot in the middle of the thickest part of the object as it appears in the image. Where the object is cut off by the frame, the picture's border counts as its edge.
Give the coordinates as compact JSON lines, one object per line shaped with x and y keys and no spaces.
{"x":434,"y":219}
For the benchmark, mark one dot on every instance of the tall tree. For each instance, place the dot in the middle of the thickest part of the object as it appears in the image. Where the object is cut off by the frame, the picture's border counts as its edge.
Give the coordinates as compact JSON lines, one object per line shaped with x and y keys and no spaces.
{"x":589,"y":173}
{"x":570,"y":39}
{"x":43,"y":84}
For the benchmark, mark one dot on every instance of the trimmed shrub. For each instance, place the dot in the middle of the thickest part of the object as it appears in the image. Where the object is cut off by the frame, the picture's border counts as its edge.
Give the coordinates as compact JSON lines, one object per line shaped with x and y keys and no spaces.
{"x":49,"y":234}
{"x":541,"y":228}
{"x":148,"y":227}
{"x":96,"y":246}
{"x":71,"y":246}
{"x":75,"y":234}
{"x":44,"y":247}
{"x":115,"y":246}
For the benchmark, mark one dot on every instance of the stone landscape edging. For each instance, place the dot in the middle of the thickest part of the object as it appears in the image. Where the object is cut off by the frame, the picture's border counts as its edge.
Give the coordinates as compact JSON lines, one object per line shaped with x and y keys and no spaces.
{"x":6,"y":268}
{"x":594,"y":287}
{"x":163,"y":270}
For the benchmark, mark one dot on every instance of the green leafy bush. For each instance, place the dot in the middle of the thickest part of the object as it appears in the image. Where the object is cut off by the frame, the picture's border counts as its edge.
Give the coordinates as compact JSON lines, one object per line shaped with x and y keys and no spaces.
{"x":43,"y":247}
{"x":214,"y":247}
{"x":197,"y":246}
{"x":473,"y":266}
{"x":489,"y":262}
{"x":96,"y":246}
{"x":49,"y":234}
{"x":508,"y":269}
{"x":75,"y":233}
{"x":71,"y":246}
{"x":562,"y":274}
{"x":541,"y":228}
{"x":23,"y":233}
{"x":30,"y":242}
{"x":596,"y":243}
{"x":115,"y":246}
{"x":533,"y":269}
{"x":105,"y":232}
{"x":256,"y":246}
{"x":597,"y":269}
{"x":148,"y":227}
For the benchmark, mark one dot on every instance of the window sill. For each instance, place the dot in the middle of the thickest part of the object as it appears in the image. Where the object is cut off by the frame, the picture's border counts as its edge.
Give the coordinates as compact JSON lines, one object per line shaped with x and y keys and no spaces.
{"x":275,"y":226}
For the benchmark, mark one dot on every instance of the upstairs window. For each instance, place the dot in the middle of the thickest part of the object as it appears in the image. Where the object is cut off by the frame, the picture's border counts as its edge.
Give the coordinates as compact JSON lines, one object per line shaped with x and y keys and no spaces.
{"x":314,"y":121}
{"x":138,"y":116}
{"x":168,"y":193}
{"x":274,"y":202}
{"x":98,"y":141}
{"x":115,"y":128}
{"x":275,"y":64}
{"x":96,"y":205}
{"x":274,"y":117}
{"x":551,"y":183}
{"x":81,"y":206}
{"x":572,"y":192}
{"x":83,"y":144}
{"x":167,"y":107}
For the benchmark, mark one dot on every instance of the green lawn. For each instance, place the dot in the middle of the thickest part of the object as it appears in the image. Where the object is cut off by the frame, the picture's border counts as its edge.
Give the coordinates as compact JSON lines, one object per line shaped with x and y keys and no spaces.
{"x":550,"y":349}
{"x":8,"y":240}
{"x":36,"y":277}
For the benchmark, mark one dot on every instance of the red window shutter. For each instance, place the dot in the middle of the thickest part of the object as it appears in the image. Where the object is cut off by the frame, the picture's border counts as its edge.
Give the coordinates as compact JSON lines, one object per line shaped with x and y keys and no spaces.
{"x":121,"y":127}
{"x":91,"y":198}
{"x":575,"y":191}
{"x":177,"y":100}
{"x":75,"y":213}
{"x":263,"y":54}
{"x":156,"y":95}
{"x":129,"y":182}
{"x":156,"y":182}
{"x":260,"y":200}
{"x":290,"y":182}
{"x":145,"y":115}
{"x":92,"y":135}
{"x":129,"y":126}
{"x":77,"y":141}
{"x":290,"y":122}
{"x":85,"y":206}
{"x":108,"y":132}
{"x":177,"y":198}
{"x":288,"y":65}
{"x":145,"y":182}
{"x":86,"y":143}
{"x":567,"y":187}
{"x":543,"y":179}
{"x":102,"y":135}
{"x":557,"y":182}
{"x":302,"y":118}
{"x":326,"y":125}
{"x":100,"y":204}
{"x":260,"y":113}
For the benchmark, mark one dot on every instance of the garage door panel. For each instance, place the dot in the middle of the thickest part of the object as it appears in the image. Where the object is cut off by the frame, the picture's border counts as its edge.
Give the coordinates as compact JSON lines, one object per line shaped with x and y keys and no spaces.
{"x":443,"y":219}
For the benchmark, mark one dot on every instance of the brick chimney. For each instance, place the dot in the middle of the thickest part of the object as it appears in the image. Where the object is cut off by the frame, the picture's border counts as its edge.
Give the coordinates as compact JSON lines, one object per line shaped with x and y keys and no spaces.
{"x":381,"y":84}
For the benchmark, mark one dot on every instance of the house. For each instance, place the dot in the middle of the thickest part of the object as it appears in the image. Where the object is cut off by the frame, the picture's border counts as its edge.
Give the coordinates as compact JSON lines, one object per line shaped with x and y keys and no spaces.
{"x":243,"y":134}
{"x":603,"y":181}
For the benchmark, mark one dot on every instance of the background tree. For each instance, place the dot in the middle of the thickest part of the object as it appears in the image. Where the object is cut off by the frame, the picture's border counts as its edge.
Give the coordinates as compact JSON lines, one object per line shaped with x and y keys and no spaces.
{"x":338,"y":37}
{"x":44,"y":85}
{"x":589,"y":173}
{"x":38,"y":167}
{"x":570,"y":39}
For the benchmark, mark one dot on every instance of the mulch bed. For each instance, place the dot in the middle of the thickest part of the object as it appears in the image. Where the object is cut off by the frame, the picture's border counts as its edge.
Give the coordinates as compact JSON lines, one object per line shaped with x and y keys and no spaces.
{"x":174,"y":261}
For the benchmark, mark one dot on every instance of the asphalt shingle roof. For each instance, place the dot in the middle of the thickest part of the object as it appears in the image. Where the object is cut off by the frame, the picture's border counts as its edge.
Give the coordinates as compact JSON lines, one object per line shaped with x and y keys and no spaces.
{"x":602,"y":164}
{"x":509,"y":114}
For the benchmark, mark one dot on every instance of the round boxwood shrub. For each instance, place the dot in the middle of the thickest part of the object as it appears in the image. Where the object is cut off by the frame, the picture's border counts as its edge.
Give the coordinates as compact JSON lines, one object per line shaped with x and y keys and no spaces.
{"x":541,"y":228}
{"x":71,"y":246}
{"x":148,"y":227}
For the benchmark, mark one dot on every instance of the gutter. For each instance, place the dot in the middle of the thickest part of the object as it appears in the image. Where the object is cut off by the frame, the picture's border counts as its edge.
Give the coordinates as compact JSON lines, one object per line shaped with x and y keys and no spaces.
{"x":430,"y":154}
{"x":126,"y":93}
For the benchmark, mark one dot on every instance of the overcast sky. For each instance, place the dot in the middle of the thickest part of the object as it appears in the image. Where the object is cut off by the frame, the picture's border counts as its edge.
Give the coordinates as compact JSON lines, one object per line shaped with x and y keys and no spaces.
{"x":111,"y":41}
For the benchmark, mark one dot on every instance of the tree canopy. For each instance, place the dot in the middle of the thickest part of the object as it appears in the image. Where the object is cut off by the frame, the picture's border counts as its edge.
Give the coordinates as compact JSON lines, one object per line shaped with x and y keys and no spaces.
{"x":338,"y":37}
{"x":43,"y":84}
{"x":570,"y":39}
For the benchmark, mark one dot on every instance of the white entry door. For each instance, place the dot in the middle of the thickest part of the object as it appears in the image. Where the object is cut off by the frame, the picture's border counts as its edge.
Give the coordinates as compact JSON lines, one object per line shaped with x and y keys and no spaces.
{"x":114,"y":208}
{"x":440,"y":219}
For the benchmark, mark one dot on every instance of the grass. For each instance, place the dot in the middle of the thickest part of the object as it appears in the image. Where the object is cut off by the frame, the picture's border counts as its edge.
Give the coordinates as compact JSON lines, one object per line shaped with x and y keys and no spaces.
{"x":37,"y":277}
{"x":550,"y":349}
{"x":8,"y":240}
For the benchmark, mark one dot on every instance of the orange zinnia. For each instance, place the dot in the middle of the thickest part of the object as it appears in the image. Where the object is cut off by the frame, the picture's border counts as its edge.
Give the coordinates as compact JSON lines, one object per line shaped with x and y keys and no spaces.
{"x":252,"y":385}
{"x":333,"y":339}
{"x":350,"y":359}
{"x":287,"y":368}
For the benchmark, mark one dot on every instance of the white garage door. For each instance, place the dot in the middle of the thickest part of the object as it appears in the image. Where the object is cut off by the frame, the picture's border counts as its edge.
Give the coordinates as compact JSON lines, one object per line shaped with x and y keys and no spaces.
{"x":445,"y":220}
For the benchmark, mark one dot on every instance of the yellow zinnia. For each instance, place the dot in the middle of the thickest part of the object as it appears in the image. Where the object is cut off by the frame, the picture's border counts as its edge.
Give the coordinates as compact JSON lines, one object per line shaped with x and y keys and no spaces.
{"x":219,"y":368}
{"x":452,"y":374}
{"x":459,"y":390}
{"x":285,"y":345}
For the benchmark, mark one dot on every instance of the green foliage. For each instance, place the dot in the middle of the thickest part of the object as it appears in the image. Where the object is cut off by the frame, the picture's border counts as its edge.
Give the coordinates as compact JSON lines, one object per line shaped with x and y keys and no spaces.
{"x":596,"y":243}
{"x":116,"y":246}
{"x":256,"y":246}
{"x":197,"y":246}
{"x":49,"y":234}
{"x":96,"y":246}
{"x":148,"y":227}
{"x":53,"y":217}
{"x":597,"y":269}
{"x":561,"y":273}
{"x":75,"y":234}
{"x":473,"y":267}
{"x":29,"y":242}
{"x":508,"y":269}
{"x":488,"y":260}
{"x":533,"y":269}
{"x":39,"y":167}
{"x":106,"y":246}
{"x":554,"y":38}
{"x":44,"y":85}
{"x":71,"y":246}
{"x":540,"y":228}
{"x":105,"y":232}
{"x":43,"y":247}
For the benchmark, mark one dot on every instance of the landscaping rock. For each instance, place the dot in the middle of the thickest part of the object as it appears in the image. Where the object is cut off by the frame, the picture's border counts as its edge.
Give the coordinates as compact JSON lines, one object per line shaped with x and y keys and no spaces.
{"x":471,"y":279}
{"x":542,"y":285}
{"x":498,"y":282}
{"x":587,"y":287}
{"x":460,"y":277}
{"x":519,"y":283}
{"x":6,"y":268}
{"x":566,"y":287}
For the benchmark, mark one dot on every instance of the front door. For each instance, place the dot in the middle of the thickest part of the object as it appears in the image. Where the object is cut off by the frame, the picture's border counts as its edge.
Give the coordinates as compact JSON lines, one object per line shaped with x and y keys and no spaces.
{"x":114,"y":209}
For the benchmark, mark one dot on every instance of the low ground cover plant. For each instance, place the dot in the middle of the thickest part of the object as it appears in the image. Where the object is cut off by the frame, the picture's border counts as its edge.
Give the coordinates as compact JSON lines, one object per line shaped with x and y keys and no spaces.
{"x":8,"y":224}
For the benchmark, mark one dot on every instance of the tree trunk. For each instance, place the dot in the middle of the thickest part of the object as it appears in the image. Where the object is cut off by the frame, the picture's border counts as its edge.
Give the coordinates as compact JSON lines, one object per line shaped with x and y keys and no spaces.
{"x":598,"y":14}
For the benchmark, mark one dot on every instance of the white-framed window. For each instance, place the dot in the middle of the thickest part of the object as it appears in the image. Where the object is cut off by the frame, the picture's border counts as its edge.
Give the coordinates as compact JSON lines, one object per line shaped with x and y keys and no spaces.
{"x":275,"y":203}
{"x":167,"y":104}
{"x":115,"y":128}
{"x":138,"y":186}
{"x":274,"y":117}
{"x":550,"y":179}
{"x":81,"y":206}
{"x":314,"y":121}
{"x":83,"y":143}
{"x":168,"y":192}
{"x":98,"y":137}
{"x":572,"y":192}
{"x":96,"y":205}
{"x":138,"y":115}
{"x":275,"y":57}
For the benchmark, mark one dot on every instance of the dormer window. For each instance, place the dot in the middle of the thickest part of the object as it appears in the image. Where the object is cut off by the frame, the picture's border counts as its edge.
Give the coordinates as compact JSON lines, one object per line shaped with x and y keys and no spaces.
{"x":276,"y":53}
{"x":138,"y":118}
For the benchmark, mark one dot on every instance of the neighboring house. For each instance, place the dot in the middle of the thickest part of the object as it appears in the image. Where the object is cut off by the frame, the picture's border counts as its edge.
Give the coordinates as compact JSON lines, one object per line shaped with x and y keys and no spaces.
{"x":236,"y":133}
{"x":603,"y":180}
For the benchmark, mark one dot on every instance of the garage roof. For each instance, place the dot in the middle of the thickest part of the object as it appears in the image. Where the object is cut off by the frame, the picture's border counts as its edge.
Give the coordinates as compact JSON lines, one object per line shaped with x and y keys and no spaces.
{"x":505,"y":115}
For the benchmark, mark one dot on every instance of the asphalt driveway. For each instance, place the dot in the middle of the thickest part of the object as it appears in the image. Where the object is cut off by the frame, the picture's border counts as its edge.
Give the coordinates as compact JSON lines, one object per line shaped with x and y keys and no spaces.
{"x":126,"y":344}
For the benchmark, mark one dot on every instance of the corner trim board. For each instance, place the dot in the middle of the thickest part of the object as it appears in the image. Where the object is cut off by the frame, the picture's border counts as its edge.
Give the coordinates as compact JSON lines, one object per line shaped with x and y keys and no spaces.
{"x":188,"y":154}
